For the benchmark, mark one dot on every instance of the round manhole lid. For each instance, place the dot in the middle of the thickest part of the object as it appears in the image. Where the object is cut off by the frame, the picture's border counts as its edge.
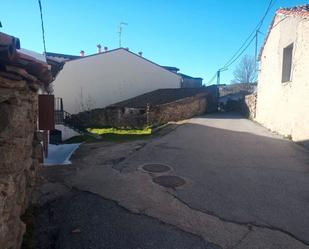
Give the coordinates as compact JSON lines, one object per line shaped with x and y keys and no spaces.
{"x":156,"y":168}
{"x":169,"y":181}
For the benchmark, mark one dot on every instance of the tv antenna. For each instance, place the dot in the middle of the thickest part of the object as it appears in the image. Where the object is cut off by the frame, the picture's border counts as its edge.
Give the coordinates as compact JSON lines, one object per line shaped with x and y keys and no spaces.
{"x":120,"y":31}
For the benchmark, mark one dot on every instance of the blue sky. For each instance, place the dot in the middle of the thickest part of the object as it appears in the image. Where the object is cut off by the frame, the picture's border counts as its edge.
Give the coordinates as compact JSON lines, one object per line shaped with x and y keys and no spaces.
{"x":197,"y":36}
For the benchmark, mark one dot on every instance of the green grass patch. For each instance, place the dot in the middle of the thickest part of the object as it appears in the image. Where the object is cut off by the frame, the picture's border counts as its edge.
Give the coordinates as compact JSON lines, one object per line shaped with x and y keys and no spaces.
{"x":115,"y":131}
{"x":111,"y":135}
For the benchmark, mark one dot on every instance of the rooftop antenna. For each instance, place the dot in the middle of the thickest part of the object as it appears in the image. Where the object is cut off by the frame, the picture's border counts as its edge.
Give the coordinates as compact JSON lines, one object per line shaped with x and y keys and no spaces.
{"x":120,"y":31}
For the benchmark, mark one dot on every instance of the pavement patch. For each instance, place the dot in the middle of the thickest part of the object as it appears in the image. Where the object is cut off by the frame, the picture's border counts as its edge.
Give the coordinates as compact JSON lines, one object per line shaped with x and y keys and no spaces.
{"x":169,"y":181}
{"x":85,"y":220}
{"x":156,"y":168}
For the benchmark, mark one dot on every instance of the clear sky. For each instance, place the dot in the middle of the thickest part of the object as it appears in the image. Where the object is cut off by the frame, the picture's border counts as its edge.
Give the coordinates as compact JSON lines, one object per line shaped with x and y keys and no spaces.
{"x":197,"y":36}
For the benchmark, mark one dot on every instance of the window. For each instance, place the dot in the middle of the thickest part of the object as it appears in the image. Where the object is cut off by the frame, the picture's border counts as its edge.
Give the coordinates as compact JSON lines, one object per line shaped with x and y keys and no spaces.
{"x":287,"y":63}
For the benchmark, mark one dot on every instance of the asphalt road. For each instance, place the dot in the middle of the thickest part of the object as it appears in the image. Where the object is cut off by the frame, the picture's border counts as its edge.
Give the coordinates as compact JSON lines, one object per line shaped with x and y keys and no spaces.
{"x":82,"y":220}
{"x":238,"y":171}
{"x":244,"y":188}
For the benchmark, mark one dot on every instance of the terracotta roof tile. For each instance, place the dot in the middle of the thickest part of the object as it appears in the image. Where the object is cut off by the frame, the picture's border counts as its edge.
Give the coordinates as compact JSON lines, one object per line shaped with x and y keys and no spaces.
{"x":16,"y":61}
{"x":301,"y":10}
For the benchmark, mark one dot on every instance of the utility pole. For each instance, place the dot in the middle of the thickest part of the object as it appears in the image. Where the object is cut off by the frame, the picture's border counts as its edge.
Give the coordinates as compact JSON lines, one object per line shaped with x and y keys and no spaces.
{"x":257,"y":32}
{"x":218,"y":77}
{"x":120,"y":31}
{"x":219,"y":74}
{"x":256,"y":45}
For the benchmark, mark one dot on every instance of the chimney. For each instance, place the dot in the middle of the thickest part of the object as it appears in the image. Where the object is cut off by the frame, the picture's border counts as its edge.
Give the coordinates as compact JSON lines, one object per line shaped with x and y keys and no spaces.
{"x":82,"y":53}
{"x":105,"y":49}
{"x":140,"y":53}
{"x":99,"y":48}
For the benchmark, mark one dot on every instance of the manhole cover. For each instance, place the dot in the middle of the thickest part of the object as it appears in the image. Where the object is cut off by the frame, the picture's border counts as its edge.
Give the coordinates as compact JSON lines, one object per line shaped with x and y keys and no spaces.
{"x":156,"y":168}
{"x":169,"y":181}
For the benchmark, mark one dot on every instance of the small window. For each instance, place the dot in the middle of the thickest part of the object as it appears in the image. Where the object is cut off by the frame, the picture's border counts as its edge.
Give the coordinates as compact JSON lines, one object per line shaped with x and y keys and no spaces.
{"x":287,"y":63}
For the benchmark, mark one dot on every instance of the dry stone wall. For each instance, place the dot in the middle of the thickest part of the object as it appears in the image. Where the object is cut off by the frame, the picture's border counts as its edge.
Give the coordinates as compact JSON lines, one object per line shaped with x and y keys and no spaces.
{"x":123,"y":117}
{"x":21,"y":154}
{"x":178,"y":110}
{"x":248,"y":105}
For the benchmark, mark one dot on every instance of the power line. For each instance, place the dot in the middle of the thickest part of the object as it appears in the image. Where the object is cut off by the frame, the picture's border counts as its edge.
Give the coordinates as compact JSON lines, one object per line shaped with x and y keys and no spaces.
{"x":257,"y":27}
{"x":212,"y":79}
{"x":42,"y":25}
{"x":246,"y":43}
{"x":241,"y":52}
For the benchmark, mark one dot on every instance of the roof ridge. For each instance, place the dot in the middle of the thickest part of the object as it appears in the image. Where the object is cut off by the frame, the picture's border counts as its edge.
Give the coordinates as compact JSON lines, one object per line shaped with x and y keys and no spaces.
{"x":299,"y":10}
{"x":302,"y":7}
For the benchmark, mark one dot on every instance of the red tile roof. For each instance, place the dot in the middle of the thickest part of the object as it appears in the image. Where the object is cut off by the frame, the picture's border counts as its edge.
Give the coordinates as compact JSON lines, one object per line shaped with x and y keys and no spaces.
{"x":302,"y":10}
{"x":14,"y":61}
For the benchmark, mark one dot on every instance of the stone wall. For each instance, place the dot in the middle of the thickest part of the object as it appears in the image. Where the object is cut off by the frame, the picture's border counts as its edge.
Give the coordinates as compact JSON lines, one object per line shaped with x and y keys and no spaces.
{"x":20,"y":152}
{"x":178,"y":110}
{"x":124,"y":117}
{"x":248,"y":106}
{"x":243,"y":88}
{"x":121,"y":117}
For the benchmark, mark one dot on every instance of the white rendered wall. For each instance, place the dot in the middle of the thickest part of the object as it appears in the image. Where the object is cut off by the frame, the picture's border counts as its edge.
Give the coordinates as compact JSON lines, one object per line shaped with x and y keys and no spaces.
{"x":66,"y":132}
{"x":284,"y":107}
{"x":101,"y":80}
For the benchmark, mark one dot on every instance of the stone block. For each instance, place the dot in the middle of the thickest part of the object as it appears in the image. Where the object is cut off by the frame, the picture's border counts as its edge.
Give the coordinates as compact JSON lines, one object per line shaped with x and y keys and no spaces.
{"x":20,"y":154}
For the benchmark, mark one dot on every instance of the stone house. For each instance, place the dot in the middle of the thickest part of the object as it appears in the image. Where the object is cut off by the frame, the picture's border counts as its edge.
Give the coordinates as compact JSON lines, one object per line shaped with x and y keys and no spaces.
{"x":21,"y":78}
{"x":283,"y":82}
{"x":108,"y":77}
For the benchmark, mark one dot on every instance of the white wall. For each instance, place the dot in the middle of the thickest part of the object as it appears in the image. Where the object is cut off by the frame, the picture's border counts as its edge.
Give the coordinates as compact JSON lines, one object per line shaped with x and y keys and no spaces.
{"x":108,"y":78}
{"x":284,"y":107}
{"x":66,"y":132}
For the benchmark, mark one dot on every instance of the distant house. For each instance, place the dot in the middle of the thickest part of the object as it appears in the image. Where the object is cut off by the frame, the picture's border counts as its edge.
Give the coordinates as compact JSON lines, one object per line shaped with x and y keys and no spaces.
{"x":186,"y":80}
{"x":190,"y":82}
{"x":283,"y":84}
{"x":102,"y":79}
{"x":172,"y":69}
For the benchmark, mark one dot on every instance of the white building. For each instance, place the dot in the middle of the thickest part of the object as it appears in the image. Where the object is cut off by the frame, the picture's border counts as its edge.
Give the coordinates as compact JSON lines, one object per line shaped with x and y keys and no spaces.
{"x":283,"y":84}
{"x":99,"y":80}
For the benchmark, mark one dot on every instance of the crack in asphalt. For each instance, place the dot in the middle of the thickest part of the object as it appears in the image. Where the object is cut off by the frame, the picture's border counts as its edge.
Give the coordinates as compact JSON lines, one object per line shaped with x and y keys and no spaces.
{"x":116,"y":163}
{"x":164,"y":131}
{"x":249,"y":225}
{"x":142,"y":213}
{"x":241,"y":240}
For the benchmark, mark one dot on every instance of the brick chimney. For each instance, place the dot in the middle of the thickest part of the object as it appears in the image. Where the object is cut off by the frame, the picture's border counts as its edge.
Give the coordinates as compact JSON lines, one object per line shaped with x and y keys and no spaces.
{"x":82,"y":53}
{"x":99,"y":48}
